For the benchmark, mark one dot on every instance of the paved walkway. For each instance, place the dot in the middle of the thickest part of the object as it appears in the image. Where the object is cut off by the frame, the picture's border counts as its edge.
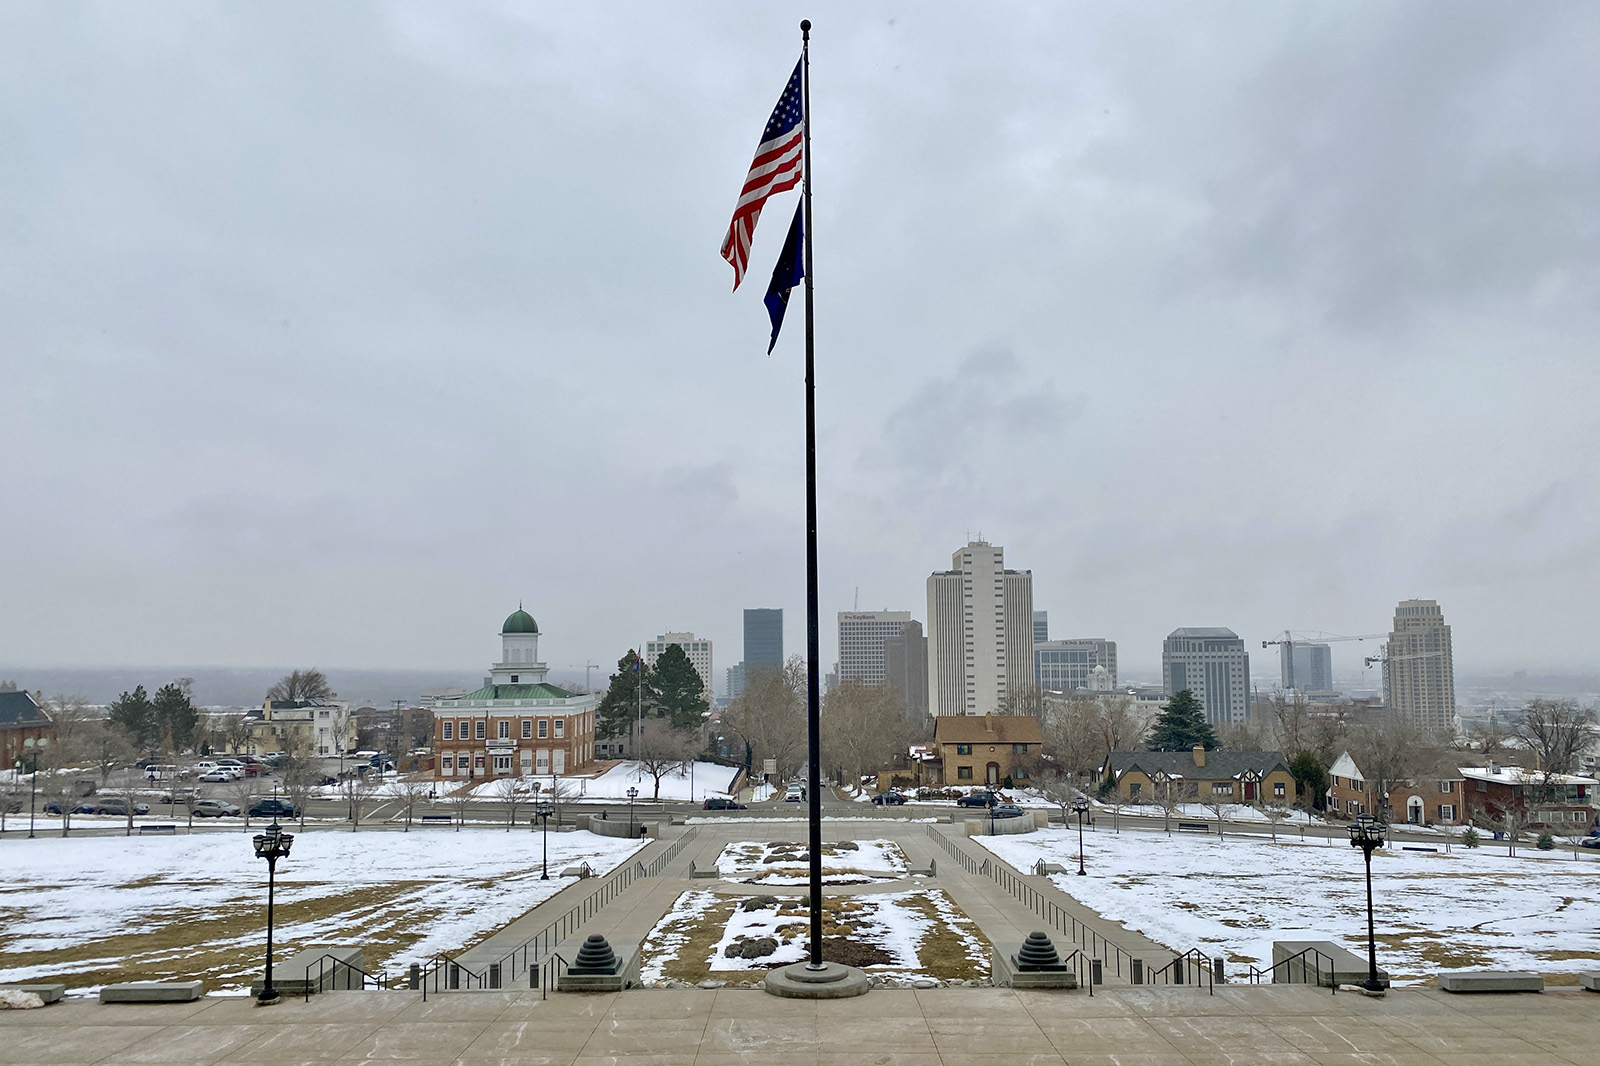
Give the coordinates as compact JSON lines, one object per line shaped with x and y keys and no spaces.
{"x":1244,"y":1025}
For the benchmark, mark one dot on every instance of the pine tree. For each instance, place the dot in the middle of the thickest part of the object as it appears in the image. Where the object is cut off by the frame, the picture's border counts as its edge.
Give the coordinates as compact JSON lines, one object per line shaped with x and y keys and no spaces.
{"x":1181,"y":725}
{"x":621,"y":702}
{"x":136,"y":715}
{"x":174,"y":716}
{"x":677,"y":689}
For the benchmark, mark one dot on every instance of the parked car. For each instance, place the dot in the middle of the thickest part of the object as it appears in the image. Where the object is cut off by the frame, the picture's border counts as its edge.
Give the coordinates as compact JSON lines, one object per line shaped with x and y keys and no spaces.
{"x":218,"y":775}
{"x":1005,"y":810}
{"x":182,"y":795}
{"x":795,"y":793}
{"x":86,"y":807}
{"x":118,"y":806}
{"x":980,"y":798}
{"x":723,"y":803}
{"x":215,"y":809}
{"x":1589,"y":842}
{"x":274,"y":807}
{"x":52,"y":807}
{"x":890,"y":798}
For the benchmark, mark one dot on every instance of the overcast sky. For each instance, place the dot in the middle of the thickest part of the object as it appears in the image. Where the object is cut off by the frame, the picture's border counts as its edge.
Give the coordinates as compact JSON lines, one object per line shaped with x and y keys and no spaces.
{"x":328,"y":333}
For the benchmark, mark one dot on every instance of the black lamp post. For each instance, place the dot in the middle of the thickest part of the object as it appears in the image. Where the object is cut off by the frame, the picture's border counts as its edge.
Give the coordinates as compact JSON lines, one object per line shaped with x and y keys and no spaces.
{"x":272,"y":846}
{"x":543,"y":813}
{"x":1367,"y":834}
{"x":1081,"y":807}
{"x":33,"y":785}
{"x":633,"y":794}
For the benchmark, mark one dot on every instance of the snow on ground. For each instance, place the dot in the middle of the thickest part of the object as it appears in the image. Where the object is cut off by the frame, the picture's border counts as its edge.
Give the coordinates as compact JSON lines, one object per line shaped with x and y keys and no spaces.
{"x":707,"y":779}
{"x":849,"y":862}
{"x":193,"y":905}
{"x":763,"y":792}
{"x":1470,"y":909}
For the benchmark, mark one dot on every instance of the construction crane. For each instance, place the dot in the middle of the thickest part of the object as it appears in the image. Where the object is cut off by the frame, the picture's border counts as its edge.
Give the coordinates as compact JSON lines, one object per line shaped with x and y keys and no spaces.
{"x":1290,"y":639}
{"x":1385,"y":657}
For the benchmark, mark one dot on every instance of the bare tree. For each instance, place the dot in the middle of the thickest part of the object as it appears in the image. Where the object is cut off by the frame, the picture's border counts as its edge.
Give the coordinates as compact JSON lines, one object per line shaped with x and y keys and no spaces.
{"x":1487,"y":738}
{"x":1219,"y":806}
{"x":1510,"y":823}
{"x":662,"y":751}
{"x":108,"y":747}
{"x":1024,"y":701}
{"x":244,"y":792}
{"x":355,"y":789}
{"x":510,"y":790}
{"x":1275,"y":812}
{"x":862,"y":729}
{"x":1388,"y":755}
{"x":459,"y":801}
{"x":298,"y":685}
{"x":1290,"y":721}
{"x":1170,"y":796}
{"x":1058,"y":788}
{"x":300,"y":774}
{"x":770,"y":715}
{"x":412,"y":792}
{"x":1555,"y":731}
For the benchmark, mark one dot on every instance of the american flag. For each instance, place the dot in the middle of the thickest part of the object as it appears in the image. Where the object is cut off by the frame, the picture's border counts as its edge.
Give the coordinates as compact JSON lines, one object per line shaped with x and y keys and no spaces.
{"x":776,"y":168}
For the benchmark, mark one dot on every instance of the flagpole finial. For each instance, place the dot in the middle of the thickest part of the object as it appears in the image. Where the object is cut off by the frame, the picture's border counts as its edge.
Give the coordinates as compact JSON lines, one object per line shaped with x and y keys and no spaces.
{"x":805,"y":25}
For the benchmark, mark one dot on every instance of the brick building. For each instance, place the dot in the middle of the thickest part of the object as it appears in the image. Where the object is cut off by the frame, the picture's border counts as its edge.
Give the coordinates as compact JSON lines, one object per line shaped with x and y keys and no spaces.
{"x":25,"y":728}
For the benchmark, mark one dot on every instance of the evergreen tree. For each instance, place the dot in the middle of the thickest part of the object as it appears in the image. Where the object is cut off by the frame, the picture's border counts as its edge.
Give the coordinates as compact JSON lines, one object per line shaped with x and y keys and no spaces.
{"x":1181,"y":725}
{"x":135,"y":714}
{"x":1310,"y":779}
{"x":175,"y":717}
{"x":620,"y":704}
{"x":677,"y":689}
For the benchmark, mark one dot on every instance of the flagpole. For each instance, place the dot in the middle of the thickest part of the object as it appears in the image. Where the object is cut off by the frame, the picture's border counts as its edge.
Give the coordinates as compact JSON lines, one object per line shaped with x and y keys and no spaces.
{"x":813,"y":643}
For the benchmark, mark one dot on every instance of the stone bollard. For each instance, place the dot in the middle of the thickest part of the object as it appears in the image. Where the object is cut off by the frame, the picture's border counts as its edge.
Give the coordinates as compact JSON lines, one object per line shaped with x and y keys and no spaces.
{"x":414,"y":977}
{"x":1096,"y":971}
{"x":1136,"y":972}
{"x":1216,"y":971}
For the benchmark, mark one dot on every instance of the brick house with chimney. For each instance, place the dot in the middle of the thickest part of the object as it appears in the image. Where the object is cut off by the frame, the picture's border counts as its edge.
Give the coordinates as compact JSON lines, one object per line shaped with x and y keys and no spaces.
{"x":969,"y":750}
{"x":1244,"y":777}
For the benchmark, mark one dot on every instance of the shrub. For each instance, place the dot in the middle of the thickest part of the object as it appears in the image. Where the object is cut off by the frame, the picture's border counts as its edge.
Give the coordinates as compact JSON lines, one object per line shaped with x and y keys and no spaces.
{"x":1547,"y":842}
{"x":1470,"y":837}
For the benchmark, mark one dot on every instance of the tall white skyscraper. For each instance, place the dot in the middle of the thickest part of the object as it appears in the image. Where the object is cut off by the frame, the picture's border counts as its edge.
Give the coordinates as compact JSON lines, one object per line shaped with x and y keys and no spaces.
{"x":698,"y":651}
{"x":861,"y":638}
{"x":980,"y":631}
{"x":1210,"y":662}
{"x":1419,"y":671}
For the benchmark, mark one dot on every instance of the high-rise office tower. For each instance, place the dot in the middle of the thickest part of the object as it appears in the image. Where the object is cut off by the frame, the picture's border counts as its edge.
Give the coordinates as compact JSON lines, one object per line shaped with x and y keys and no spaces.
{"x":1306,"y":667}
{"x":1069,"y":665}
{"x":698,"y":650}
{"x":735,"y":681}
{"x":1041,"y":626}
{"x":905,"y":668}
{"x":1419,"y":673}
{"x":1211,"y":663}
{"x":763,"y":639}
{"x":980,"y":631}
{"x":861,"y":637}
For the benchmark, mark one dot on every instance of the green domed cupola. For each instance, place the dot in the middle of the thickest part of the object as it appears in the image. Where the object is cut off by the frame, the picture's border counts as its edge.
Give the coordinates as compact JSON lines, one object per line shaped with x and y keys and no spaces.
{"x":519,"y":621}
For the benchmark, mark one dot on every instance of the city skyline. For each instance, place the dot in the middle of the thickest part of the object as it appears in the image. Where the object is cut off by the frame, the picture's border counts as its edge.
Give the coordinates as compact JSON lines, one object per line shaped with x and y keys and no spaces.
{"x":304,"y":375}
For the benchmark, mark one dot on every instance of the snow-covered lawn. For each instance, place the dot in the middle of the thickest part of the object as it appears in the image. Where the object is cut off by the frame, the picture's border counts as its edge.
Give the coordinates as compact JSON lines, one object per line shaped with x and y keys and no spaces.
{"x":899,"y":936}
{"x":850,"y":862}
{"x":94,"y":910}
{"x":1471,"y":909}
{"x":706,"y":779}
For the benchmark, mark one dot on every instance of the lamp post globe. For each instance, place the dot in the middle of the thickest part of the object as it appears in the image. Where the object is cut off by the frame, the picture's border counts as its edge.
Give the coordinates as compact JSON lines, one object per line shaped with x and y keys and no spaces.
{"x":1081,"y":808}
{"x":543,"y":813}
{"x":1367,"y":833}
{"x":271,"y":845}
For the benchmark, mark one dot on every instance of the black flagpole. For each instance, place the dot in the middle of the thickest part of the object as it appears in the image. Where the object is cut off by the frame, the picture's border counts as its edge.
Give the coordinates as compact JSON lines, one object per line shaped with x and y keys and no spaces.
{"x":813,"y":650}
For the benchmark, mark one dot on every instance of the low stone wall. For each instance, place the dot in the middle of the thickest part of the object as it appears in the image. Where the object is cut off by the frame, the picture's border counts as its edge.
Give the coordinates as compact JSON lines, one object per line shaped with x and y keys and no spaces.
{"x":616,"y":827}
{"x":983,"y":827}
{"x":1336,"y":965}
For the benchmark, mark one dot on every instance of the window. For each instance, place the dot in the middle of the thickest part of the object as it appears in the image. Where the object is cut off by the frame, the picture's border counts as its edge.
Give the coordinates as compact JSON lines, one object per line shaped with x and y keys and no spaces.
{"x":963,"y":749}
{"x":449,"y":731}
{"x":1020,"y":773}
{"x":502,"y":763}
{"x":1134,"y":789}
{"x":1447,"y":786}
{"x":544,"y":728}
{"x":463,"y":761}
{"x":1355,"y":783}
{"x":1447,"y":812}
{"x":561,"y":727}
{"x":963,"y":773}
{"x":1221,"y":788}
{"x":464,"y":730}
{"x":1483,"y":786}
{"x":504,"y":730}
{"x":478,"y":729}
{"x":1278,"y":790}
{"x":1019,"y":749}
{"x":527,"y":728}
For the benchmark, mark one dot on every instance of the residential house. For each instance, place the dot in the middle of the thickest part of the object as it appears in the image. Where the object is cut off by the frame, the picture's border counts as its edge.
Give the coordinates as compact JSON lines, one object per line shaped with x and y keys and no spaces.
{"x":1243,"y":777}
{"x":989,"y":750}
{"x":1561,"y":802}
{"x":25,"y":728}
{"x":320,"y":727}
{"x":1431,"y":799}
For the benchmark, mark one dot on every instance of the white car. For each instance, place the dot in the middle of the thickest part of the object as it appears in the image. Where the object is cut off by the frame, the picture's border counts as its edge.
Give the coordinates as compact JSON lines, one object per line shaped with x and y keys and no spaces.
{"x":795,"y":793}
{"x":218,"y":775}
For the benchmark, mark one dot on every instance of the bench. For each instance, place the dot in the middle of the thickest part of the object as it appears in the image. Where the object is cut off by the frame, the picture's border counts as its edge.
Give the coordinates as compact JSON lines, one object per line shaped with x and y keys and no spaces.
{"x":1491,"y":981}
{"x":1195,"y":827}
{"x":49,"y":993}
{"x":163,"y":830}
{"x":1589,"y":980}
{"x":437,"y":819}
{"x":153,"y":992}
{"x":1416,"y":847}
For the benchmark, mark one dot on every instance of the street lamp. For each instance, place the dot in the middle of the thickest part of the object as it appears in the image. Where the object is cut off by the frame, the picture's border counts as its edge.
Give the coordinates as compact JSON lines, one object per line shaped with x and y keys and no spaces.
{"x":272,"y":846}
{"x":1081,"y":807}
{"x":33,"y":786}
{"x":543,"y":813}
{"x":1367,"y":833}
{"x":633,"y":794}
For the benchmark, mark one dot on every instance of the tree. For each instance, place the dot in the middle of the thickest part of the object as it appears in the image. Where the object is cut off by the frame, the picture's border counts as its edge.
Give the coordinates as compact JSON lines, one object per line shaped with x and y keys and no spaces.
{"x":1241,"y":736}
{"x":245,"y":791}
{"x":1555,"y":731}
{"x":1310,"y":780}
{"x":174,"y":717}
{"x":300,"y":776}
{"x":460,"y":800}
{"x":1276,"y":812}
{"x":677,"y":689}
{"x":509,"y":790}
{"x":1487,"y":738}
{"x":1024,"y":700}
{"x":1387,"y":754}
{"x":1290,"y":720}
{"x":412,"y":792}
{"x":134,"y":712}
{"x":1219,"y":806}
{"x":1181,"y":725}
{"x":298,"y":685}
{"x":661,"y":752}
{"x":770,"y":716}
{"x":862,"y":729}
{"x":620,"y":705}
{"x":108,"y":745}
{"x":355,"y":789}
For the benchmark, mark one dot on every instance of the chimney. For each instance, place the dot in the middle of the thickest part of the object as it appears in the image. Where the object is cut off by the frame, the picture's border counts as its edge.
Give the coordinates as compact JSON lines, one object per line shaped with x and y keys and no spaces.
{"x":988,"y":721}
{"x":1199,"y":754}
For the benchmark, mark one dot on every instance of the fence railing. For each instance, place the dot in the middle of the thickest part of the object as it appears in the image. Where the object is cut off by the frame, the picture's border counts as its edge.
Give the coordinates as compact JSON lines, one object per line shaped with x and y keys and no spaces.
{"x":547,"y":973}
{"x":1311,"y":964}
{"x":448,"y":974}
{"x":1058,"y":918}
{"x":1193,"y":967}
{"x":329,"y":967}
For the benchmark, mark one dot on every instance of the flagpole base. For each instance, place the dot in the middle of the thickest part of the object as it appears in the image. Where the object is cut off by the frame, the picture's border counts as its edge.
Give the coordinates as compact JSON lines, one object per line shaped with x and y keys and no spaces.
{"x":833,"y":981}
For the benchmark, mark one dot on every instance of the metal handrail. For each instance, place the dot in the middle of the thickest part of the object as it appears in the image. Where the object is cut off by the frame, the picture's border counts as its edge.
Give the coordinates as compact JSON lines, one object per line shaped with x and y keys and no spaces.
{"x":379,"y":980}
{"x":1174,"y":970}
{"x":1257,"y":973}
{"x":549,"y":971}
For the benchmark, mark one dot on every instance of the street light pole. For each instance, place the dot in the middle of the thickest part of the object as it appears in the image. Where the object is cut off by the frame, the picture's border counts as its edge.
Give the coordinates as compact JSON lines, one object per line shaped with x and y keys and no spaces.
{"x":632,"y":794}
{"x":271,"y":845}
{"x":1367,"y":834}
{"x":33,"y":787}
{"x":544,"y":812}
{"x":1081,"y":807}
